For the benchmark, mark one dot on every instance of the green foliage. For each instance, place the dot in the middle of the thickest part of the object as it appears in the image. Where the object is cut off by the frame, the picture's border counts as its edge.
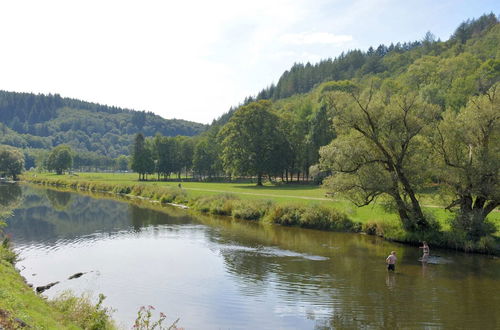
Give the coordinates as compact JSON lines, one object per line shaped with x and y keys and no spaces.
{"x":60,"y":159}
{"x":121,"y":163}
{"x":45,"y":121}
{"x":253,"y":142}
{"x":215,"y":204}
{"x":141,"y":159}
{"x":251,"y":210}
{"x":81,"y":311}
{"x":466,"y":144}
{"x":380,"y":149}
{"x":11,"y":162}
{"x":318,"y":217}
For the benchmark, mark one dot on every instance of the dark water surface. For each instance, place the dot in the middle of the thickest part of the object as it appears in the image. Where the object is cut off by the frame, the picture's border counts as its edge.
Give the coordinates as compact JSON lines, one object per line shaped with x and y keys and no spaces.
{"x":217,"y":273}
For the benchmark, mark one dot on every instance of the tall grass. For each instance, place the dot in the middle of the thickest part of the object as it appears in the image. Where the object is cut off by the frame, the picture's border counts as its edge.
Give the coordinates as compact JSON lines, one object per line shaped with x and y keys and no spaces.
{"x":82,"y":312}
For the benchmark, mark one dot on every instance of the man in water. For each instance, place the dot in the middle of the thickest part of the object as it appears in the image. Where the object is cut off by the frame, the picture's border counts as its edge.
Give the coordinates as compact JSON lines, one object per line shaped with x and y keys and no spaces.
{"x":391,"y":261}
{"x":426,"y":251}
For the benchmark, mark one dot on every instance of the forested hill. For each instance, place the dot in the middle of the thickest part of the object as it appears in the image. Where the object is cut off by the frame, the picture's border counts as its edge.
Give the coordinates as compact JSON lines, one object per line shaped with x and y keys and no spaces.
{"x":475,"y":37}
{"x":43,"y":121}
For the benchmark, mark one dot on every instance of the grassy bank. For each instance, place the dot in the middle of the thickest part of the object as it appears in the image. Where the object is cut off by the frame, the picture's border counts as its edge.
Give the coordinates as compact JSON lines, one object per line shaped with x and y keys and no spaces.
{"x":20,"y":307}
{"x":293,"y":205}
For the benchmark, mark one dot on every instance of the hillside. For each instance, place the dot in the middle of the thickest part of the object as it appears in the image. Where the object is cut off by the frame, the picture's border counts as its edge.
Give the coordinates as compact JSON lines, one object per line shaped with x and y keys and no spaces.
{"x":44,"y":121}
{"x":474,"y":42}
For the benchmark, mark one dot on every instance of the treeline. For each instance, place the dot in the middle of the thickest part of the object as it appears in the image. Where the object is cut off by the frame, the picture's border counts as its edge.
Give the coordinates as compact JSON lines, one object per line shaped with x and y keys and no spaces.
{"x":389,"y":60}
{"x":45,"y":121}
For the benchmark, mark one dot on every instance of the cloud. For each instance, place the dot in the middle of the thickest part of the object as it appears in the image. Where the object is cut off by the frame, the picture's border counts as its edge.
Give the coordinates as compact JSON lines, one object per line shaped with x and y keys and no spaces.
{"x":310,"y":38}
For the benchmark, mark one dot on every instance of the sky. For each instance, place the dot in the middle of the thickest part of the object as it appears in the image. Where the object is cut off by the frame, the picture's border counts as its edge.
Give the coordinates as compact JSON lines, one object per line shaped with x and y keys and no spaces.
{"x":195,"y":59}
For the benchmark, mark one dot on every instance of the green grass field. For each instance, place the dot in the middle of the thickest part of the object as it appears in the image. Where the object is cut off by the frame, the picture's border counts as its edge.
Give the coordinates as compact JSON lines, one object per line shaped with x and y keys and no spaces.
{"x":289,"y":193}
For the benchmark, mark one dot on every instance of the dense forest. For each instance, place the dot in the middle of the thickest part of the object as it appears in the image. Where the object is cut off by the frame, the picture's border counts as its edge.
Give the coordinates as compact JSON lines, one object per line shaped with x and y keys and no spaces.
{"x":30,"y":121}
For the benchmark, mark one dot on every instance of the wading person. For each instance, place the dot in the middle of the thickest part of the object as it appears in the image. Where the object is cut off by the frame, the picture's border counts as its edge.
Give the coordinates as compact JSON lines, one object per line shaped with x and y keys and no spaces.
{"x":426,"y":250}
{"x":391,"y":261}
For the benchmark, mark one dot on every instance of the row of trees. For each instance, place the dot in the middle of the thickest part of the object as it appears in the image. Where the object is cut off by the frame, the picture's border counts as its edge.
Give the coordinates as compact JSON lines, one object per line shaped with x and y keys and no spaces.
{"x":255,"y":142}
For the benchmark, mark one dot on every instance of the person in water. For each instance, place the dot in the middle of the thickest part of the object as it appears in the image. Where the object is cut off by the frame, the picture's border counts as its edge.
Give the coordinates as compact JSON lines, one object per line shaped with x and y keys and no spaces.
{"x":391,"y":261}
{"x":426,"y":250}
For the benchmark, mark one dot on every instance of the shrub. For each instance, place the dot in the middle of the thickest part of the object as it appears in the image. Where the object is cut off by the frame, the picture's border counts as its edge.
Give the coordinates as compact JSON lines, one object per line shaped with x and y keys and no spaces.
{"x":250,"y":210}
{"x":288,"y":215}
{"x":82,"y":312}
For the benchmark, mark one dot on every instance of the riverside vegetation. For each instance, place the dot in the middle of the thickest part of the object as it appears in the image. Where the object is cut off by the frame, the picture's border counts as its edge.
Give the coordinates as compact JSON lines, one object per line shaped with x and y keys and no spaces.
{"x":307,"y":210}
{"x":21,"y":307}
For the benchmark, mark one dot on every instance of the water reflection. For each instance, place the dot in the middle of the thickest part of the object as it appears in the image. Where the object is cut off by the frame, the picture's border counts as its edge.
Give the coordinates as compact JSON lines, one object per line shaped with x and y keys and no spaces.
{"x":221,"y":273}
{"x":10,"y":196}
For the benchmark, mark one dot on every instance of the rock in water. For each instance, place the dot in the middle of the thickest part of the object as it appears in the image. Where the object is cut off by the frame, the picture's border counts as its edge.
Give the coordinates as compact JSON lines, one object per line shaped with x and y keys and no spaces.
{"x":77,"y":275}
{"x":40,"y":289}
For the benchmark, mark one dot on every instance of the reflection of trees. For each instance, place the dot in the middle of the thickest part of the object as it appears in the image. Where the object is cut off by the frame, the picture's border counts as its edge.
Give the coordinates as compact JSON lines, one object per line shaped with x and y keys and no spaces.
{"x":10,"y":198}
{"x":143,"y":217}
{"x":58,"y":199}
{"x":350,"y":290}
{"x":46,"y":216}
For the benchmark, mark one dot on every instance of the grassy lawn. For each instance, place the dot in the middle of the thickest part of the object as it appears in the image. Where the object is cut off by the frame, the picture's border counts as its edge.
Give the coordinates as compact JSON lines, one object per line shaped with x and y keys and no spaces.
{"x":289,"y":193}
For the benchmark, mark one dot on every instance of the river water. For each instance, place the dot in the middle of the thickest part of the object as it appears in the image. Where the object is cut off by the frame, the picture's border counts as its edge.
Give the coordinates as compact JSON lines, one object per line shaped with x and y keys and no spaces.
{"x":218,"y":273}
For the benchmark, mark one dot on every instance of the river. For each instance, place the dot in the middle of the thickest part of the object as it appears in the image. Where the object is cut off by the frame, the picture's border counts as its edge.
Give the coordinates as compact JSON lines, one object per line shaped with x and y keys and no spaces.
{"x":219,"y":273}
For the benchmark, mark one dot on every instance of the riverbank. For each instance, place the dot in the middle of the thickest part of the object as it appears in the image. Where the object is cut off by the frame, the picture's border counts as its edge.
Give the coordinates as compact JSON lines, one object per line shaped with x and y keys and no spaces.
{"x":20,"y":307}
{"x":289,"y":213}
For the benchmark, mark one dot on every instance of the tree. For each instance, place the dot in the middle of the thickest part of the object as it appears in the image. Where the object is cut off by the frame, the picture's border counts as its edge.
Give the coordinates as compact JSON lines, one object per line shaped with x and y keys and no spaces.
{"x":121,"y":163}
{"x":11,"y":161}
{"x":141,"y":158}
{"x":207,"y":154}
{"x":252,"y":141}
{"x":60,"y":159}
{"x":380,"y":149}
{"x":469,"y":153}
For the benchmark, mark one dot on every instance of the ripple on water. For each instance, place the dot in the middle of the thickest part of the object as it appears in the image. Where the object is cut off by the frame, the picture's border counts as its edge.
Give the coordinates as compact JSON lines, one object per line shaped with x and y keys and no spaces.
{"x":272,"y":252}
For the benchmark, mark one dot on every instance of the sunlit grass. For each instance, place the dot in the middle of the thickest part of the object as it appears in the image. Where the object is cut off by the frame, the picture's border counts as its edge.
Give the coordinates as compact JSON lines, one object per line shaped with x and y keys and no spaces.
{"x":284,"y":193}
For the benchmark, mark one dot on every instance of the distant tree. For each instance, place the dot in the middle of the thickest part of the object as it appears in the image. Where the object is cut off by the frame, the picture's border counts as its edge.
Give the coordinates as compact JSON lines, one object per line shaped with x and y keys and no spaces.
{"x":207,"y":157}
{"x":141,"y":159}
{"x":60,"y":159}
{"x":251,"y":141}
{"x":11,"y":161}
{"x":469,"y":151}
{"x":121,"y":163}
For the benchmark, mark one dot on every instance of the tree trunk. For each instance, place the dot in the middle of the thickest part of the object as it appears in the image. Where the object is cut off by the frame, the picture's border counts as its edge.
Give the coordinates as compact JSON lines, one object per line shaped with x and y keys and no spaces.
{"x":419,"y":218}
{"x":259,"y":179}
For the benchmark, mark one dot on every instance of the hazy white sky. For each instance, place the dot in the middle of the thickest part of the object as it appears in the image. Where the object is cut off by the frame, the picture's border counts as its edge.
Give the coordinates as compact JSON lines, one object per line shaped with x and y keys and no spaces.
{"x":194,"y":59}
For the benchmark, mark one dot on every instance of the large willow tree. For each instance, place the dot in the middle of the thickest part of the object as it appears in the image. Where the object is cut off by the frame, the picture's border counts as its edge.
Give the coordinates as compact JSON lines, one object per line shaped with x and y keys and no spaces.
{"x":380,"y":148}
{"x":468,"y":148}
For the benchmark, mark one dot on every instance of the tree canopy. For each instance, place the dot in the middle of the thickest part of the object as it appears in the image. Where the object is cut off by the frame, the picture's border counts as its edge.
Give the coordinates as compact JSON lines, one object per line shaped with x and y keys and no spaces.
{"x":11,"y":161}
{"x":60,"y":159}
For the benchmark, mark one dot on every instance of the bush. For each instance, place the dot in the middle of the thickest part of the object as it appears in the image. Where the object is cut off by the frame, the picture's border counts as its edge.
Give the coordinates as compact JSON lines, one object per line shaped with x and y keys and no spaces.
{"x":6,"y":252}
{"x":318,"y":217}
{"x":215,"y":204}
{"x":250,"y":210}
{"x":288,"y":215}
{"x":82,"y":312}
